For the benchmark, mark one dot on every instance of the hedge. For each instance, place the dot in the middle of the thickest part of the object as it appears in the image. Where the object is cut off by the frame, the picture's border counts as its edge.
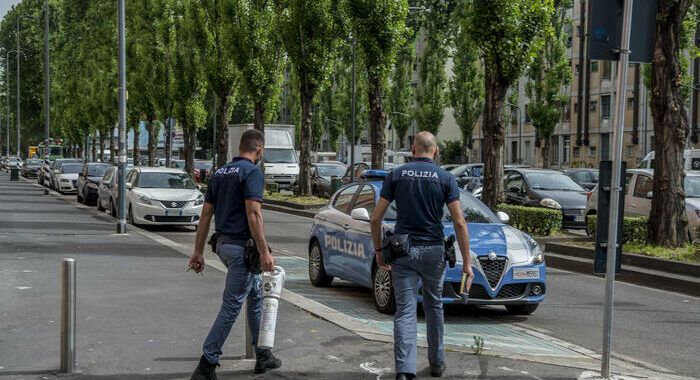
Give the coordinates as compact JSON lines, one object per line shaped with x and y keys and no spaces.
{"x":536,"y":220}
{"x":633,"y":231}
{"x":272,"y":187}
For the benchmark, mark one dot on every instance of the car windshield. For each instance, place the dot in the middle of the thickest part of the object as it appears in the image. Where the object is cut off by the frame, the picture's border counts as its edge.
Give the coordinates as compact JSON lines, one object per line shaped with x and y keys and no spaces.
{"x":477,"y":171}
{"x":178,"y":163}
{"x":97,"y":170}
{"x":55,"y":150}
{"x":13,"y":159}
{"x":202,"y":165}
{"x":474,"y":211}
{"x":33,"y":162}
{"x":279,"y":156}
{"x":330,"y":170}
{"x":551,"y":181}
{"x":71,"y":168}
{"x":692,"y":186}
{"x":165,"y":181}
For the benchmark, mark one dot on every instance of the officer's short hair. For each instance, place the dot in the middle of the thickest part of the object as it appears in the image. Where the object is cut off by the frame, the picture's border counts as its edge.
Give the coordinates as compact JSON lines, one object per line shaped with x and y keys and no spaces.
{"x":251,"y":140}
{"x":425,"y":142}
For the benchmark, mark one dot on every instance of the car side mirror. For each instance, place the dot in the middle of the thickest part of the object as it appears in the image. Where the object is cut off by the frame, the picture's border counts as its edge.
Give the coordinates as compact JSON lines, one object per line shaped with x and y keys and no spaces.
{"x":360,"y":214}
{"x":199,"y":187}
{"x":81,"y":175}
{"x":503,"y":217}
{"x":55,"y":171}
{"x":128,"y":186}
{"x":650,"y":194}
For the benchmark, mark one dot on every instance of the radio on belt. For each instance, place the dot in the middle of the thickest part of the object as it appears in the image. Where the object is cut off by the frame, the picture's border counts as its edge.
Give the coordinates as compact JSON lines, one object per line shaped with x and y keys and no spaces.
{"x":272,"y":283}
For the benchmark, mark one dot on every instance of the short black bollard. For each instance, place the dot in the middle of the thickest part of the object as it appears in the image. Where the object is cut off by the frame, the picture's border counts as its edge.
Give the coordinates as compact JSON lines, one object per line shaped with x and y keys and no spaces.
{"x":335,"y":184}
{"x":14,"y":174}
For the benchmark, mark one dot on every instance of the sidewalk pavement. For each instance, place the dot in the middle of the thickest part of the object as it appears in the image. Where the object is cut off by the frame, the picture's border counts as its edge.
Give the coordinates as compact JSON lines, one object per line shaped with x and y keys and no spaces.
{"x":140,"y":315}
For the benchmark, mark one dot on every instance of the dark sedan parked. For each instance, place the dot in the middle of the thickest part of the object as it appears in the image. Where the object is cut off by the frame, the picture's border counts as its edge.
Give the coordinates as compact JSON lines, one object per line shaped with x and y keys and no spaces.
{"x":587,"y":178}
{"x":30,"y":168}
{"x":321,"y":174}
{"x":468,"y":176}
{"x":549,"y":189}
{"x":89,"y":180}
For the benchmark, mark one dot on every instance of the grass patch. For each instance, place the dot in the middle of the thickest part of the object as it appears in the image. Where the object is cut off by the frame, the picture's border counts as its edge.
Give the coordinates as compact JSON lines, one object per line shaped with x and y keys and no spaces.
{"x":686,"y":253}
{"x":305,"y":200}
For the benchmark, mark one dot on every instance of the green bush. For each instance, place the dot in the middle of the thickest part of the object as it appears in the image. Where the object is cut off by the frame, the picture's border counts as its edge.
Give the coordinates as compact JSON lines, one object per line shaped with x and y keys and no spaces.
{"x":272,"y":187}
{"x":633,"y":231}
{"x":536,"y":220}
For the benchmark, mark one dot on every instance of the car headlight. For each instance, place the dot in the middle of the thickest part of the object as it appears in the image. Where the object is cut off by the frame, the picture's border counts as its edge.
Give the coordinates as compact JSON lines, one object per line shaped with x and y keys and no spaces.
{"x":145,"y":200}
{"x":550,"y":203}
{"x":269,"y":176}
{"x":199,"y":200}
{"x":535,"y":249}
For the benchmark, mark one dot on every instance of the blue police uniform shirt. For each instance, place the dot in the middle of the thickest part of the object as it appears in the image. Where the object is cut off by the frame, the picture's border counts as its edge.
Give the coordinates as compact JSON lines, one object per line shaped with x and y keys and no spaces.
{"x":420,"y":189}
{"x":229,"y":188}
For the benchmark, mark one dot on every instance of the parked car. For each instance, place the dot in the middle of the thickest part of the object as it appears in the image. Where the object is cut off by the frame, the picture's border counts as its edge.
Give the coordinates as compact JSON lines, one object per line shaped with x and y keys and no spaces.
{"x":89,"y":180}
{"x":586,"y":178}
{"x":202,"y":168}
{"x":178,"y":164}
{"x":162,"y":196}
{"x":360,"y":167}
{"x":67,"y":177}
{"x":321,"y":174}
{"x":549,"y":189}
{"x":639,"y":184}
{"x":469,"y":176}
{"x":56,"y":169}
{"x":691,"y":160}
{"x":13,"y":163}
{"x":30,"y":168}
{"x":108,"y":190}
{"x":508,"y":264}
{"x":449,"y":167}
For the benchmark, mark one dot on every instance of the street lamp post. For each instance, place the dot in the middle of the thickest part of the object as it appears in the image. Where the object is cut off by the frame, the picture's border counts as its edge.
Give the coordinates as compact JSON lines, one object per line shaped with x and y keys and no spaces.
{"x":47,"y":80}
{"x":19,"y":23}
{"x":520,"y":130}
{"x":121,"y":225}
{"x":7,"y":96}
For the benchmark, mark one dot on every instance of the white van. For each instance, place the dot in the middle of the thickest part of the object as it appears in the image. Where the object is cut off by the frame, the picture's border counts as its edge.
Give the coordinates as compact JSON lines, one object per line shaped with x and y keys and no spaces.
{"x":691,"y":160}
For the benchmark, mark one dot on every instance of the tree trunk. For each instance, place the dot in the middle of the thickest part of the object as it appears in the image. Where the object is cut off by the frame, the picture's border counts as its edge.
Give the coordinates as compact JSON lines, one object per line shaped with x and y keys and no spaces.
{"x":222,"y":131}
{"x":377,"y":121}
{"x":494,"y":135}
{"x":259,"y":116}
{"x":190,"y":137}
{"x":102,"y":147}
{"x":668,"y":222}
{"x":304,"y":181}
{"x":152,"y":141}
{"x":94,"y":149}
{"x":137,"y":138}
{"x":545,"y":153}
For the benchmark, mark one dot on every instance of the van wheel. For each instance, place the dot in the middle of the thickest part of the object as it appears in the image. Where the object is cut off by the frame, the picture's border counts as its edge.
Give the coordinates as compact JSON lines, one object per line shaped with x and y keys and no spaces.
{"x":317,"y":271}
{"x":522,"y":309}
{"x":383,"y":291}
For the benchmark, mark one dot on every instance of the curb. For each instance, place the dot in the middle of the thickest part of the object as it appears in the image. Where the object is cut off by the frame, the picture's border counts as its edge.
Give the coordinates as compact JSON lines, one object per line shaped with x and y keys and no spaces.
{"x":636,"y":269}
{"x":295,"y":206}
{"x":297,"y":212}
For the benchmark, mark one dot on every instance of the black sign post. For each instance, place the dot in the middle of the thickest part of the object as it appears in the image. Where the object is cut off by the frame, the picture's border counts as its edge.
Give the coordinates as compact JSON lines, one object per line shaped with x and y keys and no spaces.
{"x":603,"y":218}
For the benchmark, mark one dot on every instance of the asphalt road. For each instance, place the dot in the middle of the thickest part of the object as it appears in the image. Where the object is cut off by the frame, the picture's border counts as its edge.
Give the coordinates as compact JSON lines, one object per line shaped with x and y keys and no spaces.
{"x":656,"y":327}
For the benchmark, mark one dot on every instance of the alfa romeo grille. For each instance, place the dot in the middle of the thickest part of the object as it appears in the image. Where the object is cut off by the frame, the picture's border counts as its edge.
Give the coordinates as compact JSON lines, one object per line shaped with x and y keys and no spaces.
{"x":173,"y":204}
{"x":493,"y":268}
{"x":512,"y":291}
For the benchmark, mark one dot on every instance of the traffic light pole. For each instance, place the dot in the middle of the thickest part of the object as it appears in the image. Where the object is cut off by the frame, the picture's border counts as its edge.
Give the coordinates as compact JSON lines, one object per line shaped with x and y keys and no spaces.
{"x":615,"y":187}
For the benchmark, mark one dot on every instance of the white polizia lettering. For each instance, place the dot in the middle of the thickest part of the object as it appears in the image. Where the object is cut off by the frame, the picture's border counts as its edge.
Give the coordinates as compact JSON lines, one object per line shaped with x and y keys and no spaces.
{"x":419,"y":174}
{"x":225,"y":170}
{"x":348,"y":247}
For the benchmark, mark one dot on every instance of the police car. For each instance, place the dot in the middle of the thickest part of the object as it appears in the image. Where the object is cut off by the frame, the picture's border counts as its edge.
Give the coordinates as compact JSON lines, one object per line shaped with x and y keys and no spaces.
{"x":508,"y":264}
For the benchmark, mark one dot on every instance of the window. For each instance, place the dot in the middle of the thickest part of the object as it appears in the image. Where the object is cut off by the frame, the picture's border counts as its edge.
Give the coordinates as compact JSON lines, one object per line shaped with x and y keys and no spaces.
{"x":577,"y":152}
{"x":604,"y":146}
{"x":365,"y":199}
{"x":591,"y":151}
{"x":582,"y":176}
{"x":566,"y":112}
{"x":578,"y":30}
{"x":527,"y":114}
{"x":527,"y":151}
{"x":643,"y":186}
{"x":575,"y":107}
{"x":607,"y":69}
{"x":567,"y":149}
{"x":555,"y":150}
{"x":628,"y":179}
{"x":630,"y":103}
{"x":630,"y":150}
{"x":577,"y":69}
{"x":342,"y":200}
{"x":593,"y":106}
{"x":605,"y":106}
{"x":594,"y":66}
{"x":514,"y":184}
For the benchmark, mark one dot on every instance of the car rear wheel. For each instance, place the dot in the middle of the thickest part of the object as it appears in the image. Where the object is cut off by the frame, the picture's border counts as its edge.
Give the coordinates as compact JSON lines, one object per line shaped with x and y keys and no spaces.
{"x":114,"y":209}
{"x":317,"y":271}
{"x":522,"y":309}
{"x":383,"y":291}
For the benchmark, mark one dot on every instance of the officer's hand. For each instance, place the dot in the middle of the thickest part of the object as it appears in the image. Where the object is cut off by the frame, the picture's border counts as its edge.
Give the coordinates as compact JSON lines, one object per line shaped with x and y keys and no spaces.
{"x":268,"y":262}
{"x":196,"y":263}
{"x":380,"y":261}
{"x":470,"y":275}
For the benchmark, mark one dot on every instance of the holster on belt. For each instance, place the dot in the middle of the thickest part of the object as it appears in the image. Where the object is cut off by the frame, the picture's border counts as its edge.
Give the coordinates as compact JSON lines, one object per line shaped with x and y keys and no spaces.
{"x":450,"y":253}
{"x":213,"y":240}
{"x":395,"y":246}
{"x":252,"y":257}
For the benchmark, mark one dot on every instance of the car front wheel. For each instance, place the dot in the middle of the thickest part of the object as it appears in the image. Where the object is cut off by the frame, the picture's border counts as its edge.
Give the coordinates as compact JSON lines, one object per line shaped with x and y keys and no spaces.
{"x":131,"y":217}
{"x":522,"y":309}
{"x":317,"y":271}
{"x":383,"y":291}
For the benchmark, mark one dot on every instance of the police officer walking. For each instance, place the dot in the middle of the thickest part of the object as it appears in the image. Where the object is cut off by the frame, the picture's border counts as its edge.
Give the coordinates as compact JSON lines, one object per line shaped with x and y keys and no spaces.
{"x":420,"y":190}
{"x":234,"y":197}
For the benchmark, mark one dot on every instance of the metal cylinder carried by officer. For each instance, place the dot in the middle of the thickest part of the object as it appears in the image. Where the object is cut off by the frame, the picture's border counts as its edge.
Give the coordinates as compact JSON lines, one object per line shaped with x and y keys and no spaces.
{"x":416,"y":250}
{"x":234,"y":198}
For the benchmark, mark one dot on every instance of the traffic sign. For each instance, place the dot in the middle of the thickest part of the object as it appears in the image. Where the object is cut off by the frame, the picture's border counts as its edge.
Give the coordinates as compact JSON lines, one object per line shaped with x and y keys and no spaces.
{"x":605,"y":30}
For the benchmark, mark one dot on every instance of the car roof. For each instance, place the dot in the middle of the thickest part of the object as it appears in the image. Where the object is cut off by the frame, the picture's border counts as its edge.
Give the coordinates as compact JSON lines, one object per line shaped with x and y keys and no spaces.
{"x":645,"y":171}
{"x":157,"y":169}
{"x":535,"y":170}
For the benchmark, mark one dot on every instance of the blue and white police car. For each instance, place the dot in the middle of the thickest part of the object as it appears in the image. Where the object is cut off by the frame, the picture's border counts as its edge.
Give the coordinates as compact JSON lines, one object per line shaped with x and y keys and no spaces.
{"x":508,"y":264}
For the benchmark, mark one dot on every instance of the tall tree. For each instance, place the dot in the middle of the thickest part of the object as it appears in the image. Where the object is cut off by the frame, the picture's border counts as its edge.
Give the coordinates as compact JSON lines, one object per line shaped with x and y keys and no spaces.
{"x":378,"y":26}
{"x":466,"y":87}
{"x":509,"y":34}
{"x":549,"y":72}
{"x":218,"y":60}
{"x":668,"y":222}
{"x":401,"y":95}
{"x":309,"y":31}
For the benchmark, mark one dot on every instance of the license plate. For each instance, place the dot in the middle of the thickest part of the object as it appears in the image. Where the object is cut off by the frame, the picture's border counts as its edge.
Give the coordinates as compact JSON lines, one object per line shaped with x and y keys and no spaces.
{"x":526,"y":273}
{"x":578,"y":218}
{"x":174,"y":212}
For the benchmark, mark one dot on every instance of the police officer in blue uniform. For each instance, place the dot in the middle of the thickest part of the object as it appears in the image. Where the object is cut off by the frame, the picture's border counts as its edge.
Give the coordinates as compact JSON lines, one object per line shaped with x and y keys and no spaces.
{"x":234,"y":197}
{"x":420,"y":190}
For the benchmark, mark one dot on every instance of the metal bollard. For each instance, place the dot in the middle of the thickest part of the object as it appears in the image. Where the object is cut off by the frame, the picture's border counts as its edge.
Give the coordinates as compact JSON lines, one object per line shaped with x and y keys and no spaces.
{"x":249,"y":353}
{"x":335,"y":184}
{"x":68,"y":316}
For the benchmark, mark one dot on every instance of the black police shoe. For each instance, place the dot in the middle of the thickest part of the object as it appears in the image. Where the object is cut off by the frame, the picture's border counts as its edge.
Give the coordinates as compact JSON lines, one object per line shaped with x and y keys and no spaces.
{"x":205,"y":370}
{"x":437,"y":369}
{"x":265,"y":361}
{"x":405,"y":376}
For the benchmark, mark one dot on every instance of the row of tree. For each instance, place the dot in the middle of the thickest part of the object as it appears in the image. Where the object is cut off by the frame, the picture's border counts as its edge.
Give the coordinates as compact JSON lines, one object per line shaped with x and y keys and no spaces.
{"x":293,"y":60}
